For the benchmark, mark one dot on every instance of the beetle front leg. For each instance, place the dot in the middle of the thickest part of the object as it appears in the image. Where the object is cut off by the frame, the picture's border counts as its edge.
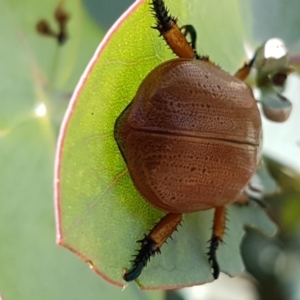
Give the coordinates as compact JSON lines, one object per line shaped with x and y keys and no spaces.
{"x":152,"y":242}
{"x":216,"y":239}
{"x":174,"y":36}
{"x":244,"y":71}
{"x":168,"y":28}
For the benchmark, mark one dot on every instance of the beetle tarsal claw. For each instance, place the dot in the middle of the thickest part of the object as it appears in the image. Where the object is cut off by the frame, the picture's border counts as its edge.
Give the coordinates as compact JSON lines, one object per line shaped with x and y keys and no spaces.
{"x":147,"y":250}
{"x":215,"y":269}
{"x":134,"y":273}
{"x":214,"y":243}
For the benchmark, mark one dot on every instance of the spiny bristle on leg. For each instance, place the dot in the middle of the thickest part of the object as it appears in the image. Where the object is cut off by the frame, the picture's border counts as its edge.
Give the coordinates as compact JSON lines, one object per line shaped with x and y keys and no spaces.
{"x":163,"y":19}
{"x":151,"y":243}
{"x":214,"y":244}
{"x":219,"y":224}
{"x":147,"y":250}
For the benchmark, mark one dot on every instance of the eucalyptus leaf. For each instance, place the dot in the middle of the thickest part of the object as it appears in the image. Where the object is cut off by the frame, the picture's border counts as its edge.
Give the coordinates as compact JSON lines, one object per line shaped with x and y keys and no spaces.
{"x":31,"y":265}
{"x":100,"y":215}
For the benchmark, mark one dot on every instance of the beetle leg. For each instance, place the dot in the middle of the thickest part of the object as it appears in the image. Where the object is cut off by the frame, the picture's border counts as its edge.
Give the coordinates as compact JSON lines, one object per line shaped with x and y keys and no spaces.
{"x":174,"y":36}
{"x":168,"y":28}
{"x":191,"y":31}
{"x":245,"y":199}
{"x":217,"y":237}
{"x":152,"y":242}
{"x":244,"y":71}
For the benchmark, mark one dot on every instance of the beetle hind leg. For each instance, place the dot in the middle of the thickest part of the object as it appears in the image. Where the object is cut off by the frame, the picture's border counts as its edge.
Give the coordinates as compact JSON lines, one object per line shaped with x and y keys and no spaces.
{"x":151,"y":243}
{"x":148,"y":249}
{"x":245,"y":199}
{"x":216,"y":239}
{"x":212,"y":259}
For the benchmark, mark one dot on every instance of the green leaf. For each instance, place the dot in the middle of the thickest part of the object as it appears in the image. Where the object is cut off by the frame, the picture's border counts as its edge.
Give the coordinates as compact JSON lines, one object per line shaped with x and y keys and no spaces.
{"x":100,"y":214}
{"x":32,"y":265}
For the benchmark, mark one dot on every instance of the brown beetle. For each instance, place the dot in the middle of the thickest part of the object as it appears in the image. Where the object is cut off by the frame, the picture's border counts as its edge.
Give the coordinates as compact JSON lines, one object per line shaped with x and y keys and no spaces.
{"x":190,"y":139}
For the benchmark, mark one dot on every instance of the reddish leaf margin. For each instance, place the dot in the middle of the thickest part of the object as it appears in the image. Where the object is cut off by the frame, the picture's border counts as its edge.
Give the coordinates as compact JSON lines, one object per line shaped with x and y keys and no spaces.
{"x":64,"y":128}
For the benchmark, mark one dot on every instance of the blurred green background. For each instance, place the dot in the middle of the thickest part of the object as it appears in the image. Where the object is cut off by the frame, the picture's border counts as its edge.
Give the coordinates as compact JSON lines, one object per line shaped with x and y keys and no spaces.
{"x":37,"y":80}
